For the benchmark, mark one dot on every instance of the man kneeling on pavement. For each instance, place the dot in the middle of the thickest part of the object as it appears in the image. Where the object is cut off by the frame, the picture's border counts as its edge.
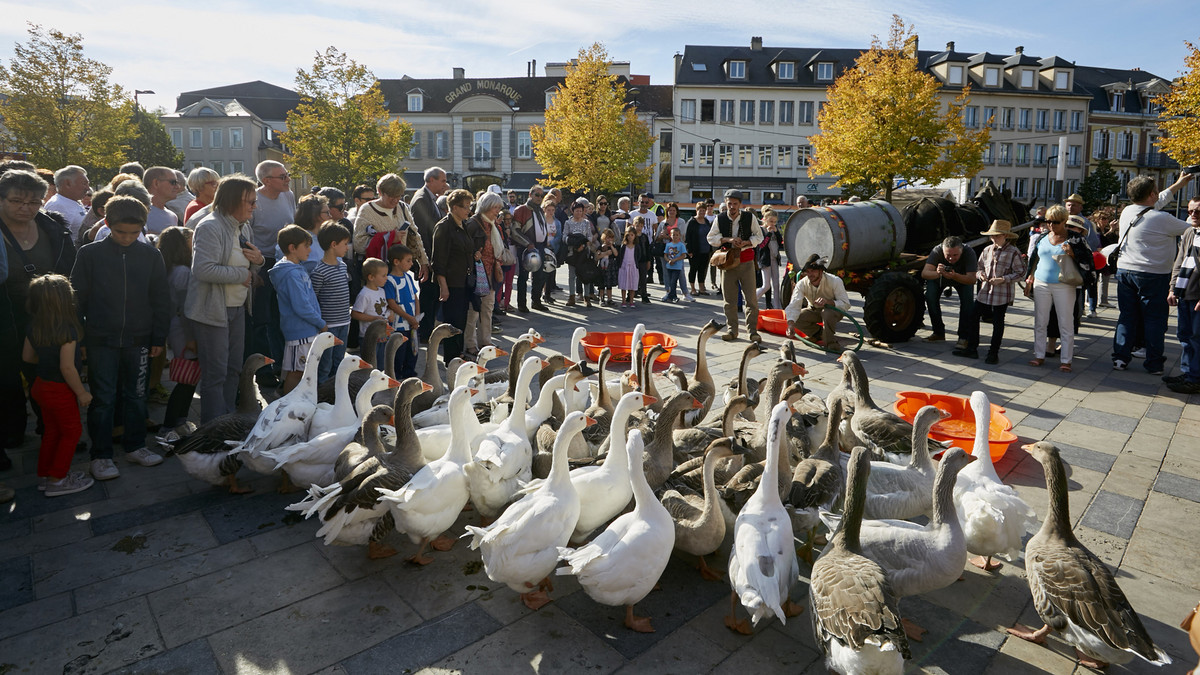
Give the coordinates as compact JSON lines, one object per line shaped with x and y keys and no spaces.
{"x":813,"y":304}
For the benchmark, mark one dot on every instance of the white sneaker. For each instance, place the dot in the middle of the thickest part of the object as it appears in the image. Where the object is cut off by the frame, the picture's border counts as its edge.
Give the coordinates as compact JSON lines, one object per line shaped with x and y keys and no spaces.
{"x":75,"y":481}
{"x":169,"y":438}
{"x":1092,"y":314}
{"x":689,"y":298}
{"x":144,"y":457}
{"x":1139,"y":353}
{"x":43,"y":481}
{"x":104,"y":469}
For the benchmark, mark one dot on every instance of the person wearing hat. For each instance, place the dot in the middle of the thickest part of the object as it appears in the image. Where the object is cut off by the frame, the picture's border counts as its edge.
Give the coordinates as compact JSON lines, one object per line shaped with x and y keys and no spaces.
{"x":811,"y":308}
{"x":1000,"y":265}
{"x":1074,"y":206}
{"x":739,"y":233}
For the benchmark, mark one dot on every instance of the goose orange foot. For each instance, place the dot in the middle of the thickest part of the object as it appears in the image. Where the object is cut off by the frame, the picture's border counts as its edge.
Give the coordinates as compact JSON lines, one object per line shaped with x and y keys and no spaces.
{"x":640,"y":624}
{"x":376,"y":550}
{"x":731,"y":621}
{"x":708,"y":572}
{"x":535,"y":600}
{"x":1088,"y":662}
{"x":443,"y":543}
{"x":986,"y":564}
{"x":1026,"y":633}
{"x":791,"y":609}
{"x":236,"y":489}
{"x":913,"y":631}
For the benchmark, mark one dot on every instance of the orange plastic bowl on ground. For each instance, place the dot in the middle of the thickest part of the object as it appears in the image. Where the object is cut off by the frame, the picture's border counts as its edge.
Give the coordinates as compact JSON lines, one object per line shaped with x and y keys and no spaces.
{"x":773,"y":321}
{"x":959,"y":428}
{"x":620,"y":345}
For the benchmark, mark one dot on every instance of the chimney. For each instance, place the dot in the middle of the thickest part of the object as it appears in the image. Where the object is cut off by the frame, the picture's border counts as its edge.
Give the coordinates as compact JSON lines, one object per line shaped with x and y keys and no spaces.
{"x":678,"y":62}
{"x":533,"y":69}
{"x":460,"y":74}
{"x":756,"y":44}
{"x":950,"y":46}
{"x":1020,"y":49}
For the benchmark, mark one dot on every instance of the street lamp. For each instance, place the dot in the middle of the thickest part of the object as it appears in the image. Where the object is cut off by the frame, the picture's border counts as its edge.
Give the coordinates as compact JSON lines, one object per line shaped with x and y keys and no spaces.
{"x":137,"y":141}
{"x":712,"y":163}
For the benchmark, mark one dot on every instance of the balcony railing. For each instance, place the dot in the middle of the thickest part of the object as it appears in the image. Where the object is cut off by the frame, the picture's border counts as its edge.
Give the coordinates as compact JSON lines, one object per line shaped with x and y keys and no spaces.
{"x":1156,"y":160}
{"x":482,"y":163}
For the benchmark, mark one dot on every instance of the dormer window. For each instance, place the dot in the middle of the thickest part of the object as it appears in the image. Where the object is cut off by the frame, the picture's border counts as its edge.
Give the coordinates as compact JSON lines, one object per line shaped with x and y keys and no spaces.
{"x":1027,"y":79}
{"x":785,"y":70}
{"x":991,"y":77}
{"x":737,"y":70}
{"x":825,"y":71}
{"x":1118,"y":101}
{"x":955,"y":76}
{"x":1062,"y":80}
{"x":550,"y":97}
{"x":416,"y":102}
{"x":207,"y":111}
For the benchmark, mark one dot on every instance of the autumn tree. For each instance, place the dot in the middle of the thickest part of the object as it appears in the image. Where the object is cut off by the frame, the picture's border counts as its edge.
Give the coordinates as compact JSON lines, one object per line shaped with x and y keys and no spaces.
{"x":152,"y":144}
{"x":884,"y":120}
{"x":592,"y":141}
{"x":1099,"y":185}
{"x":59,"y":106}
{"x":340,"y":135}
{"x":1180,"y":112}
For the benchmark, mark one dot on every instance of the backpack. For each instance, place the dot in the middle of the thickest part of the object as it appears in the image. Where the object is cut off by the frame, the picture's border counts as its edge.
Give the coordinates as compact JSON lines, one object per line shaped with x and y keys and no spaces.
{"x":382,"y":241}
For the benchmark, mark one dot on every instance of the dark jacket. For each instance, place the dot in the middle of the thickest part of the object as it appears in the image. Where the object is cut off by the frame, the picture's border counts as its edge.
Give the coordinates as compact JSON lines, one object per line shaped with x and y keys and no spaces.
{"x":694,"y":239}
{"x":123,"y":297}
{"x":641,"y":254}
{"x":480,"y":237}
{"x":453,"y":253}
{"x":14,"y":319}
{"x":424,"y":211}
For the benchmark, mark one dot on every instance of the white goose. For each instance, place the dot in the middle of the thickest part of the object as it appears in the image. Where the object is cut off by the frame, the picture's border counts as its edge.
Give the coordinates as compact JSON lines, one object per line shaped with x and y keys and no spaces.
{"x":430,"y":503}
{"x":577,"y":399}
{"x":341,"y":413}
{"x":993,"y":515}
{"x":285,"y":420}
{"x":604,"y":490}
{"x":622,"y":564}
{"x":762,"y":563}
{"x":311,"y":462}
{"x":1073,"y":591}
{"x":904,"y":492}
{"x":439,"y":412}
{"x":520,"y":548}
{"x":505,"y":456}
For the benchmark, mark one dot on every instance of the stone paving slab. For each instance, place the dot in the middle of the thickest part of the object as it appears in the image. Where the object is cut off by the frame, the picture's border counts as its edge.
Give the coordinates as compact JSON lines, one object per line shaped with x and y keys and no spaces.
{"x":156,"y":572}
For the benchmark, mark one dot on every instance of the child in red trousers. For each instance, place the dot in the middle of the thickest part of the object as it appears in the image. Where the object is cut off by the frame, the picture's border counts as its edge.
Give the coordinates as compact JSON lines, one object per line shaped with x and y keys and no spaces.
{"x":53,"y":344}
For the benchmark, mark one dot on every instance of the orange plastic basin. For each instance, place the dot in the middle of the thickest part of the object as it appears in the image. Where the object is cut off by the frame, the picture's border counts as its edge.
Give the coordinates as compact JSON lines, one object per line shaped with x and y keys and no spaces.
{"x":773,"y":321}
{"x":959,"y":428}
{"x":620,"y":345}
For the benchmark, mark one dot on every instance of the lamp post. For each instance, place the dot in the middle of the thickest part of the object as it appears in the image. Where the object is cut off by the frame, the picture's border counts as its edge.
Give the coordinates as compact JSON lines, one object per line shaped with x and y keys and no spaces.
{"x":712,"y":178}
{"x":137,"y":140}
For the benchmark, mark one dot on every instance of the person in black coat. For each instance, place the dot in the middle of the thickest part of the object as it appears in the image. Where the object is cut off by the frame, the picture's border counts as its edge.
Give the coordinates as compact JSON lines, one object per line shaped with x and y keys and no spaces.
{"x":695,"y":238}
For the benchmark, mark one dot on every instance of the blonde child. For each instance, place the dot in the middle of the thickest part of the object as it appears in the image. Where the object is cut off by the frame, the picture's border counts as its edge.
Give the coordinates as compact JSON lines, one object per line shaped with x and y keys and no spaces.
{"x":630,"y":259}
{"x":371,"y":303}
{"x":53,"y":344}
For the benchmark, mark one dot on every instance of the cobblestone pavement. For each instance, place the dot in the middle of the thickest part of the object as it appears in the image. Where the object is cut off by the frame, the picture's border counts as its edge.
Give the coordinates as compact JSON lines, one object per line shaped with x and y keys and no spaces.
{"x":156,"y":572}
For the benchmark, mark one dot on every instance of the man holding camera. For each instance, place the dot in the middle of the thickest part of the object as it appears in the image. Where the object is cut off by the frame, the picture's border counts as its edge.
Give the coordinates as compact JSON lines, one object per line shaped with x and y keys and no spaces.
{"x":1147,"y":254}
{"x":953,"y":265}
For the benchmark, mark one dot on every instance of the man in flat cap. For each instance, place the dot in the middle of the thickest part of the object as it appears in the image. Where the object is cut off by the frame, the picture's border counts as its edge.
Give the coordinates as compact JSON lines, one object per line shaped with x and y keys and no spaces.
{"x":738,"y":232}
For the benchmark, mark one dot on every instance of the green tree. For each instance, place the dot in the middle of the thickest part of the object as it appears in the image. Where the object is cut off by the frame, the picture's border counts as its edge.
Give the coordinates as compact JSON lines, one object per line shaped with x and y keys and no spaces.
{"x":1099,"y":185}
{"x":592,"y":141}
{"x":1180,"y":110}
{"x":152,"y":144}
{"x":340,"y":134}
{"x":884,"y":120}
{"x":59,"y":105}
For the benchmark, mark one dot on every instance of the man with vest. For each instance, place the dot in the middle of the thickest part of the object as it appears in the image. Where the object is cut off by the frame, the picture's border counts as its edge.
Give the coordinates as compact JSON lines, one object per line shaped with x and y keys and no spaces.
{"x":738,"y":232}
{"x":529,"y":232}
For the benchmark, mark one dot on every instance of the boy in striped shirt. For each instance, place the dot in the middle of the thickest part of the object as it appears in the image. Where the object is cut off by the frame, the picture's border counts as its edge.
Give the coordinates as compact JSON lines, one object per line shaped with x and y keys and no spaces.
{"x":331,"y":282}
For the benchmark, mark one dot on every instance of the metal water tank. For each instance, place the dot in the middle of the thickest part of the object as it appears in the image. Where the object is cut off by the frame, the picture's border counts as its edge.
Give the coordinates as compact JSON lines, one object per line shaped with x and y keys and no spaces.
{"x":858,"y":235}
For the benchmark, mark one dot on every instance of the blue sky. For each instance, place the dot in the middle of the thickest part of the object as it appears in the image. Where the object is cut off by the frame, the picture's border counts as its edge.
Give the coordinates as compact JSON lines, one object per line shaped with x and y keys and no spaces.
{"x":170,"y":46}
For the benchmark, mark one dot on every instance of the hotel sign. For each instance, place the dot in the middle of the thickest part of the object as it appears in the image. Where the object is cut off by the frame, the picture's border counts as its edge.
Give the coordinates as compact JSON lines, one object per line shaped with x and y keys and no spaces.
{"x":493,"y":87}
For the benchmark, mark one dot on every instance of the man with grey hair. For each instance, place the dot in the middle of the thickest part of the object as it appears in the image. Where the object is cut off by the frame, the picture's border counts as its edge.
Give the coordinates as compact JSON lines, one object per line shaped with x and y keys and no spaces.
{"x":71,"y":184}
{"x":160,"y":182}
{"x":274,"y":209}
{"x":1148,"y":243}
{"x":183,"y":196}
{"x":802,"y":202}
{"x":427,"y":213}
{"x":951,"y":264}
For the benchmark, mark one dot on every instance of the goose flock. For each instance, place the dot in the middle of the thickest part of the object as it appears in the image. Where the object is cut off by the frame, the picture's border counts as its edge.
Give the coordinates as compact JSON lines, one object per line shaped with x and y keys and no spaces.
{"x":605,"y":479}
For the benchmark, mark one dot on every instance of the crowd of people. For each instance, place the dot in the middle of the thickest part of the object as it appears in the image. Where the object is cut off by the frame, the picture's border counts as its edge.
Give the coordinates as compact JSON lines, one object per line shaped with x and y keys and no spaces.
{"x":160,"y":271}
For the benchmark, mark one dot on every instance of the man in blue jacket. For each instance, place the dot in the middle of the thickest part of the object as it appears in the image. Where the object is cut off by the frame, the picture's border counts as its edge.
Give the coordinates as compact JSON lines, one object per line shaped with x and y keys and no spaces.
{"x":121,"y":288}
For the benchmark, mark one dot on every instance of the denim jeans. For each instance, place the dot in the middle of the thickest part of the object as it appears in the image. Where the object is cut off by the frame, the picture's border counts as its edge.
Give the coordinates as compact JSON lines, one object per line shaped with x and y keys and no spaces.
{"x":1189,"y":335}
{"x":966,"y":308}
{"x":675,"y":284}
{"x":107,"y":366}
{"x":334,"y":355}
{"x":1142,"y":304}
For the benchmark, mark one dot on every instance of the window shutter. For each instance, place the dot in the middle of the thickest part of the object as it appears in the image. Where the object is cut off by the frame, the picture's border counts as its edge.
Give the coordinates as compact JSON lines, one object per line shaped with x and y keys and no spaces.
{"x":1133,"y":142}
{"x":1096,"y":145}
{"x":467,"y":144}
{"x":430,"y":145}
{"x":512,"y":142}
{"x":497,"y":139}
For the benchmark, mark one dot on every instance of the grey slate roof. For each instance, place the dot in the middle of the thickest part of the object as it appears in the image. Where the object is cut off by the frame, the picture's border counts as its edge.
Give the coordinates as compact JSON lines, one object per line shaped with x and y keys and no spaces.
{"x":530,"y":93}
{"x":268,"y":101}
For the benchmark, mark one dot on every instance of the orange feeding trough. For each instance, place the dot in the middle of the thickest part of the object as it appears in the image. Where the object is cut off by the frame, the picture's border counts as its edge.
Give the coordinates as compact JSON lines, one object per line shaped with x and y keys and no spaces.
{"x":773,"y":321}
{"x":620,"y":344}
{"x":959,"y":428}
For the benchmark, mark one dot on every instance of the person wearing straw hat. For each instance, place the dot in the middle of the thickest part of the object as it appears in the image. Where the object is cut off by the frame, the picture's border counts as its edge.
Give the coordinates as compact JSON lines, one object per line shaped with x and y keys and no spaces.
{"x":811,"y":308}
{"x":1000,"y":265}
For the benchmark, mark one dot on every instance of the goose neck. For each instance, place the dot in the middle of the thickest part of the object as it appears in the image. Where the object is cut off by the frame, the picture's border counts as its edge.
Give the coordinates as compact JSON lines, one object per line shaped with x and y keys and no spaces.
{"x":943,"y":494}
{"x":1059,"y":520}
{"x":856,"y":500}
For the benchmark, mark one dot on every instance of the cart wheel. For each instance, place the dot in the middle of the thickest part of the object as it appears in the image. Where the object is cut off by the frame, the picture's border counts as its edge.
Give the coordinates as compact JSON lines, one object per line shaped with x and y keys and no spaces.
{"x":894,"y":307}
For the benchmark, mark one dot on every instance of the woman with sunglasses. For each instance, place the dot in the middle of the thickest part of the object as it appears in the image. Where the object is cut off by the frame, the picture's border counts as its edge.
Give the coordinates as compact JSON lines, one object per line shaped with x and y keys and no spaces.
{"x":1047,"y":291}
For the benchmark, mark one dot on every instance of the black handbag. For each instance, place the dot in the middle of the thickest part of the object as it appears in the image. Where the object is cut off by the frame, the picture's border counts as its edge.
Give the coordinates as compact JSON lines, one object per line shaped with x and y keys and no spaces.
{"x":1115,"y":256}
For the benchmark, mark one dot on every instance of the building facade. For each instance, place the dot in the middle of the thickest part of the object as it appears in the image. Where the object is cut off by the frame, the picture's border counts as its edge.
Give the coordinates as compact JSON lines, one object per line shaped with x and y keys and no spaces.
{"x":478,"y":129}
{"x":231,"y":129}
